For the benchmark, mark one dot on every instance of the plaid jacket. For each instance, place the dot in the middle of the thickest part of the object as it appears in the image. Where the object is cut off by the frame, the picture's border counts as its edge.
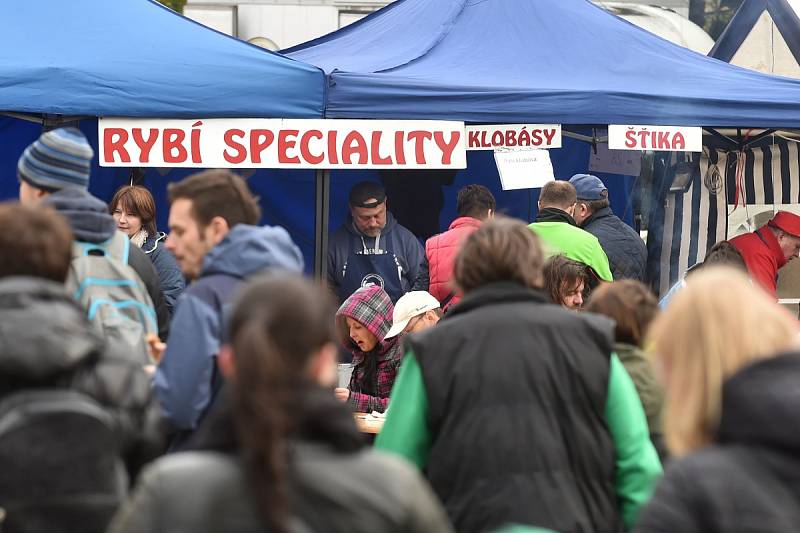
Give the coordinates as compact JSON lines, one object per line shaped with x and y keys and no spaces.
{"x":372,"y":307}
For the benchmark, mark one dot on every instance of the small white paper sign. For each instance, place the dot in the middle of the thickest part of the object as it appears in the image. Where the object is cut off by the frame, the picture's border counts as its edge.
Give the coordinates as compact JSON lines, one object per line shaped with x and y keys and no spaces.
{"x":626,"y":162}
{"x":523,"y":169}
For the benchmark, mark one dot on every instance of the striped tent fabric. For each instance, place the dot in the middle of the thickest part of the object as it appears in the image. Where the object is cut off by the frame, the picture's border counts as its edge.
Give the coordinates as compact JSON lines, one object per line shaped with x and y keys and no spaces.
{"x":693,"y":221}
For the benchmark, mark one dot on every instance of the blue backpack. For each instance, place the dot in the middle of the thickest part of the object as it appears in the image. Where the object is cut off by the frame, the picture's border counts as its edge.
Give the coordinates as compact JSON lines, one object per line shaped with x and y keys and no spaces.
{"x":113,"y":294}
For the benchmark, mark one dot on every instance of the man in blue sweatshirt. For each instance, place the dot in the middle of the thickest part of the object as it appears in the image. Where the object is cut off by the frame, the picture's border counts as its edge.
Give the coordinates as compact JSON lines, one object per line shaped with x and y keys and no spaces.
{"x":215,"y":239}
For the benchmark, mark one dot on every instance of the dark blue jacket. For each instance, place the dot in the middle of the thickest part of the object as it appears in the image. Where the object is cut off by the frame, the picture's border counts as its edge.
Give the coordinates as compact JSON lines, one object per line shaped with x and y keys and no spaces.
{"x":626,"y":251}
{"x":169,"y":273}
{"x":184,"y":379}
{"x":394,"y":239}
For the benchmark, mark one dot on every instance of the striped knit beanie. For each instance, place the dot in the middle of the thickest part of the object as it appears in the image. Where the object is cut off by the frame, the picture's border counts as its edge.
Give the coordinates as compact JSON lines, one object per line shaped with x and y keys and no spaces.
{"x":59,"y":159}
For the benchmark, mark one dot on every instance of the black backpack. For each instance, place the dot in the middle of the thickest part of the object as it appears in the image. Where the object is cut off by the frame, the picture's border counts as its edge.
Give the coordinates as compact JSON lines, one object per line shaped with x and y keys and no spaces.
{"x":60,"y":463}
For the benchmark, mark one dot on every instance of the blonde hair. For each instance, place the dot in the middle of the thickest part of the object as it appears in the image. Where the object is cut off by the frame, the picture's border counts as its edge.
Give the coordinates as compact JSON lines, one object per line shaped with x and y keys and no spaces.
{"x":719,"y":323}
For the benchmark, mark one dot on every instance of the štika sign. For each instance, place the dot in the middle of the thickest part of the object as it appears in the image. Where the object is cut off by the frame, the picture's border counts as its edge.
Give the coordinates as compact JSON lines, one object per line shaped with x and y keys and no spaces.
{"x":660,"y":138}
{"x":513,"y":136}
{"x":281,"y":143}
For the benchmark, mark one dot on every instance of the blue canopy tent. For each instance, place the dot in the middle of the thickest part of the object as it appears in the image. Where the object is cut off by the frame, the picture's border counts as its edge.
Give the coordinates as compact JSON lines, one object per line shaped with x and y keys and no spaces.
{"x":512,"y":61}
{"x":556,"y":61}
{"x":62,"y":61}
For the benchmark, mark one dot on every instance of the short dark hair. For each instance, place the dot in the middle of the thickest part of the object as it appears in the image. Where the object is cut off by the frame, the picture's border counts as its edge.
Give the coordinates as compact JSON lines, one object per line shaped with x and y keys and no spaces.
{"x":595,"y":205}
{"x":558,"y":193}
{"x":217,"y":193}
{"x":36,"y":241}
{"x":475,"y":201}
{"x":630,"y":303}
{"x":724,"y":253}
{"x":502,"y":249}
{"x":562,"y":275}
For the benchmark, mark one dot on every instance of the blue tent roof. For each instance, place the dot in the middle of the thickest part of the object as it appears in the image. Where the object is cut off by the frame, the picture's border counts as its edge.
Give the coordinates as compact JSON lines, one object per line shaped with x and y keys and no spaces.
{"x":737,"y":30}
{"x":559,"y":61}
{"x":137,"y":58}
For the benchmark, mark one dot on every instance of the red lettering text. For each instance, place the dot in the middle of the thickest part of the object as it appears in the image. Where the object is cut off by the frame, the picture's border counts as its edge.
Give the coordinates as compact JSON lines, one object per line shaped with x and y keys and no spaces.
{"x":110,"y":145}
{"x":354,"y":143}
{"x":304,"y":150}
{"x":241,"y":152}
{"x":377,"y":159}
{"x":173,"y":141}
{"x":419,"y":137}
{"x":260,"y":140}
{"x":284,"y":144}
{"x":145,"y":145}
{"x":447,"y":148}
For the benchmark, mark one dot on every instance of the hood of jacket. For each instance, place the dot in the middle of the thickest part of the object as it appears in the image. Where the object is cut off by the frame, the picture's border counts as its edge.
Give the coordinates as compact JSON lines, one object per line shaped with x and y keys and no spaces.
{"x":553,"y":214}
{"x":87,"y":216}
{"x":373,"y":308}
{"x":248,"y":249}
{"x":761,"y":405}
{"x":43,"y":332}
{"x":365,"y":240}
{"x":150,"y":244}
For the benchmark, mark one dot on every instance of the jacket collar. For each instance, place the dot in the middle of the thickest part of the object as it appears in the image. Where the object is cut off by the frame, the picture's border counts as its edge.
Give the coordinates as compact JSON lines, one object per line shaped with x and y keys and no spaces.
{"x":497,"y":292}
{"x":465,"y":222}
{"x":600,"y":213}
{"x":766,"y":236}
{"x":553,"y":214}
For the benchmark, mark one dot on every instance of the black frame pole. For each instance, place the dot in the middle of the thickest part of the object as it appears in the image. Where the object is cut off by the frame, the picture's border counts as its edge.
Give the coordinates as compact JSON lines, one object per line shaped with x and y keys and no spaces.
{"x":323,"y":197}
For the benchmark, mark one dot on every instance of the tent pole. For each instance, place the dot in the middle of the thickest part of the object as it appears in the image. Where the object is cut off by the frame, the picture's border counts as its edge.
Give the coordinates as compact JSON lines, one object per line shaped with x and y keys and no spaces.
{"x":323,"y":194}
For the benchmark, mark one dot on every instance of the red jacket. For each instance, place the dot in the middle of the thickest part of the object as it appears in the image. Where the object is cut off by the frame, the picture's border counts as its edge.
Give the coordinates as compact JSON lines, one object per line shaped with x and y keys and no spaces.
{"x":763,"y":256}
{"x":441,"y":252}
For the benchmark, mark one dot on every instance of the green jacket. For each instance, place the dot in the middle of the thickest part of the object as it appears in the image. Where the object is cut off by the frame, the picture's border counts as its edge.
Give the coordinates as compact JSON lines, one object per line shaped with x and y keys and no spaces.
{"x":406,"y":432}
{"x":575,"y":243}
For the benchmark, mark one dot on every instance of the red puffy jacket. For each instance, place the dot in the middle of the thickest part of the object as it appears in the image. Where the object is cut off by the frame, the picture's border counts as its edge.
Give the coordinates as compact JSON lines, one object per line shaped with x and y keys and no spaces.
{"x":441,"y":251}
{"x":763,"y":256}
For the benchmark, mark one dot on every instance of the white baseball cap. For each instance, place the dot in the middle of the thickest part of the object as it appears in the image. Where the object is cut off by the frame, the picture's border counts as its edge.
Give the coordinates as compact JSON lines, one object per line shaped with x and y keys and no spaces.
{"x":411,"y":304}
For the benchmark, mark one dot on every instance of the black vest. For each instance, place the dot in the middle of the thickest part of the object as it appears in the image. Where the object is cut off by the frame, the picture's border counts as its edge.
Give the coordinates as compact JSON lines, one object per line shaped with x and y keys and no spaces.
{"x":517,"y":390}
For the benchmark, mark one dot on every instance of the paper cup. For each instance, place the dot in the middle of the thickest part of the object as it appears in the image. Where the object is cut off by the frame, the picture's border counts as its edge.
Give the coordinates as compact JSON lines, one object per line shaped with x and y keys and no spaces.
{"x":345,"y":371}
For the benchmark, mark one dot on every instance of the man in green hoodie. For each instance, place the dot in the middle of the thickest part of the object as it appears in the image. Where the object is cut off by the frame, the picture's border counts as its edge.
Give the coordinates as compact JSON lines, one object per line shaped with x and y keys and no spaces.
{"x":561,"y":234}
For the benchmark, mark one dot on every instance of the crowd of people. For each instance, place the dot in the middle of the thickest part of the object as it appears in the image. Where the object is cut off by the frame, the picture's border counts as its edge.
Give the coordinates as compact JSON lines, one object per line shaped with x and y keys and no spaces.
{"x":529,"y":379}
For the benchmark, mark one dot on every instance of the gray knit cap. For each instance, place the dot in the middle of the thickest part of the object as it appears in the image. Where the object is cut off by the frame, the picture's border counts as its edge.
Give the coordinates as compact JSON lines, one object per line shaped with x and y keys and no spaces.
{"x":58,"y":159}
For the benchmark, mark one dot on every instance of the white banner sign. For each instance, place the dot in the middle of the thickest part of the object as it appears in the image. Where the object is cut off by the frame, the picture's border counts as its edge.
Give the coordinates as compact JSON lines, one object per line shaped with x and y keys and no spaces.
{"x":281,"y":143}
{"x":661,"y":138}
{"x":513,"y":136}
{"x":523,"y":169}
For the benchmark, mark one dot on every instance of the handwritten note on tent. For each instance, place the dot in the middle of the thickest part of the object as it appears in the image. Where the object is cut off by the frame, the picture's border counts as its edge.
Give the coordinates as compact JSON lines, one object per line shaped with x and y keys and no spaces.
{"x":282,"y":143}
{"x":523,"y":169}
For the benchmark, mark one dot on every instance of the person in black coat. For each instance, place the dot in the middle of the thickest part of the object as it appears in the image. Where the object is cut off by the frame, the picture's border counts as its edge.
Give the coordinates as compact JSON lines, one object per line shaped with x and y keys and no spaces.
{"x":626,"y":251}
{"x":733,"y":410}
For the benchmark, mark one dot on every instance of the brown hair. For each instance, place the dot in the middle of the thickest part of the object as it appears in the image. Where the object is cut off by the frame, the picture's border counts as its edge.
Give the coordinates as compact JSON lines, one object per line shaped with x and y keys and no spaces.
{"x":279,"y":322}
{"x":475,"y":201}
{"x":717,"y":324}
{"x":217,"y":193}
{"x":632,"y":306}
{"x":35,"y":241}
{"x":723,"y":253}
{"x":596,"y":205}
{"x":560,"y":194}
{"x":502,"y":249}
{"x":138,"y":201}
{"x":562,"y":275}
